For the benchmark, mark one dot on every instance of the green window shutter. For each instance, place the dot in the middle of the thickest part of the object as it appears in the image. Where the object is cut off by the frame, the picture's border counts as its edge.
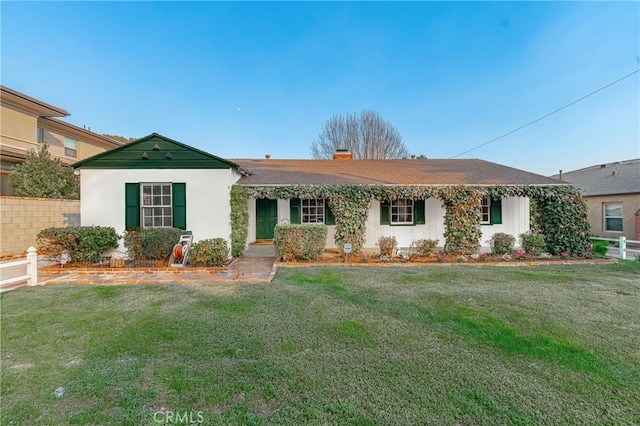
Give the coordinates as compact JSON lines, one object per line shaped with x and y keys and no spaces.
{"x":179,"y":205}
{"x":496,"y":212}
{"x":294,"y":211}
{"x":384,"y":213}
{"x":329,"y":219}
{"x":132,"y":205}
{"x":418,"y":212}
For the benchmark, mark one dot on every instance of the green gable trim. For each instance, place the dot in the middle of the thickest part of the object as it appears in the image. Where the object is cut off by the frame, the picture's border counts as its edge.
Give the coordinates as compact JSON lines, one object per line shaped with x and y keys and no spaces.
{"x":155,"y":152}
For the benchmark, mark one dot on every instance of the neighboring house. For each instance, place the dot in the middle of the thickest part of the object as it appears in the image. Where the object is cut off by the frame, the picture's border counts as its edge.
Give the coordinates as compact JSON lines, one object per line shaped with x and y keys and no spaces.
{"x":612,"y":195}
{"x":26,"y":122}
{"x":156,"y":181}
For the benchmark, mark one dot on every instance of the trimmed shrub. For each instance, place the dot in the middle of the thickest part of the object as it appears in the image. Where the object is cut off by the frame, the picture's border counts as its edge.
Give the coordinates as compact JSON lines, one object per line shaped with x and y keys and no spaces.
{"x":388,"y":245}
{"x":210,"y":253}
{"x":84,"y":243}
{"x":600,"y":247}
{"x":300,"y":242}
{"x":502,"y":243}
{"x":151,"y":243}
{"x":422,"y":248}
{"x":532,"y":243}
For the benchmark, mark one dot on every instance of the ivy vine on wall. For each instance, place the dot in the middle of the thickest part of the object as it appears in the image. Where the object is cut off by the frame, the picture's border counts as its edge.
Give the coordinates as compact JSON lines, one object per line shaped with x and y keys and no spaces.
{"x":561,"y":209}
{"x":239,"y":220}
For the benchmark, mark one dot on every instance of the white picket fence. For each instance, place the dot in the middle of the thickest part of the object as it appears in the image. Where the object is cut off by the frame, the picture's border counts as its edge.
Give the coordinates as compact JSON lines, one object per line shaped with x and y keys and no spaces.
{"x":622,"y":251}
{"x":31,"y":276}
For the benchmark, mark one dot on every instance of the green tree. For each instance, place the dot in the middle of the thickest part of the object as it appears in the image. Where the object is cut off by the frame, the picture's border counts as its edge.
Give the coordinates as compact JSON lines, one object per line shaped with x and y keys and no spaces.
{"x":44,"y":177}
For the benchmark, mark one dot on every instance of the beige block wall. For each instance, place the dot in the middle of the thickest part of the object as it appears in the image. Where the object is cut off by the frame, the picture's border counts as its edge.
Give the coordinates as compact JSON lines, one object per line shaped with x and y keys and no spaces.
{"x":595,"y":212}
{"x":22,"y":219}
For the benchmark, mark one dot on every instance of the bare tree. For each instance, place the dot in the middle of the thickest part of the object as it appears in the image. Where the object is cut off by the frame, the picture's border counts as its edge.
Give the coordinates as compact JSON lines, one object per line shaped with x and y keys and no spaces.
{"x":366,"y":135}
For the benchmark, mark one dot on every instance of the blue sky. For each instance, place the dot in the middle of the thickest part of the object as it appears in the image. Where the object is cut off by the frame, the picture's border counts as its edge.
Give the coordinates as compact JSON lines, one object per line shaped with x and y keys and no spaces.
{"x":247,"y":79}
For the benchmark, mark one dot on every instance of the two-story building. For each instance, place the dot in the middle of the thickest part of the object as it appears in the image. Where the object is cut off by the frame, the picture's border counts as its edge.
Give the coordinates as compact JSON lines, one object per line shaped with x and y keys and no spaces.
{"x":27,"y":122}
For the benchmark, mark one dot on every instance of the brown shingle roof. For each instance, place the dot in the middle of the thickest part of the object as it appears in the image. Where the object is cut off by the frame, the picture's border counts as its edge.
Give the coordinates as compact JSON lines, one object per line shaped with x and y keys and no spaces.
{"x":621,"y":177}
{"x":386,"y":172}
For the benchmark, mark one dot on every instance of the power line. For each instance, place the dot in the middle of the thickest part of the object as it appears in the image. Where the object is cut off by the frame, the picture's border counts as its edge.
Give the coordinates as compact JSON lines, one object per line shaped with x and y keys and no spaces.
{"x":547,"y":115}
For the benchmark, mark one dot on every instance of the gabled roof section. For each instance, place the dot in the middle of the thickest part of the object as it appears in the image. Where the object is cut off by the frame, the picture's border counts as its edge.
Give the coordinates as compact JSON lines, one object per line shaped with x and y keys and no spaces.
{"x":28,"y":103}
{"x":386,"y":172}
{"x":155,"y":152}
{"x":620,"y":177}
{"x":76,"y":131}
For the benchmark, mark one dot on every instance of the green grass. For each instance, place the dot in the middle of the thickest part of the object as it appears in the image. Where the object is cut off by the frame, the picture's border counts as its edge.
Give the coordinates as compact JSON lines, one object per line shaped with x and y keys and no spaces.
{"x":444,"y":345}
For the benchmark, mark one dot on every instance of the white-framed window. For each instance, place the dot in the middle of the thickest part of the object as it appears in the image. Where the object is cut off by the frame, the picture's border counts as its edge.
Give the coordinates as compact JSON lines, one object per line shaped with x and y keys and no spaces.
{"x":156,"y":205}
{"x":70,"y":147}
{"x":402,"y":212}
{"x":39,"y":135}
{"x":312,"y":210}
{"x":485,"y":217}
{"x":612,"y":217}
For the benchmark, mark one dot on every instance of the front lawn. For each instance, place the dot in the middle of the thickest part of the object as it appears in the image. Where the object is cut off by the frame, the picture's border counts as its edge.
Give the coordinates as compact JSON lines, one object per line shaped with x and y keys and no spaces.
{"x":377,"y":345}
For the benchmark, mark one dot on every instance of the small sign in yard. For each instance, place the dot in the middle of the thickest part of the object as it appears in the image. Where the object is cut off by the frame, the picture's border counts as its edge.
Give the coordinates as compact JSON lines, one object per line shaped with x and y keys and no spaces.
{"x":346,"y":249}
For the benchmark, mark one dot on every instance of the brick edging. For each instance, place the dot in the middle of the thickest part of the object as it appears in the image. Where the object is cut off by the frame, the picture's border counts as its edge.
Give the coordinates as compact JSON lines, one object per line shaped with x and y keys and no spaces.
{"x":607,"y":261}
{"x":48,"y":270}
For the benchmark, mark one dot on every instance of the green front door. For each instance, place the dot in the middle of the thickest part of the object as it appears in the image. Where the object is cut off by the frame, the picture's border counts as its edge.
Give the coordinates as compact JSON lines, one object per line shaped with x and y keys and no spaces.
{"x":266,"y":218}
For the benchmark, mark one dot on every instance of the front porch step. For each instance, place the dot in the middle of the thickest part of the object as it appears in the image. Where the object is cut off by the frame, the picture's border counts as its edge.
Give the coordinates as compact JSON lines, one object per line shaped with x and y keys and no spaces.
{"x":261,"y":250}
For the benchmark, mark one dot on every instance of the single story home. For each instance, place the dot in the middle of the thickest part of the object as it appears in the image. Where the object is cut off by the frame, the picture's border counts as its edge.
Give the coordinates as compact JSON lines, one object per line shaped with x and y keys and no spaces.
{"x":612,"y":194}
{"x":157,"y":182}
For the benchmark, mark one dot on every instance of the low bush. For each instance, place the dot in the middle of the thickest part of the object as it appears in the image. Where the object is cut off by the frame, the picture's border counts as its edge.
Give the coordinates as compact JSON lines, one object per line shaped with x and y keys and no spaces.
{"x":600,"y":247}
{"x":84,"y":243}
{"x":151,"y":243}
{"x":422,"y":248}
{"x":532,"y":243}
{"x":502,"y":243}
{"x":209,"y":253}
{"x":300,"y":242}
{"x":388,"y":246}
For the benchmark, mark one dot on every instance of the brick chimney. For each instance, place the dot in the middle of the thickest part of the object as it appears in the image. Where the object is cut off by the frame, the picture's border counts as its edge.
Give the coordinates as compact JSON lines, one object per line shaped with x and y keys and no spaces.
{"x":342,"y":154}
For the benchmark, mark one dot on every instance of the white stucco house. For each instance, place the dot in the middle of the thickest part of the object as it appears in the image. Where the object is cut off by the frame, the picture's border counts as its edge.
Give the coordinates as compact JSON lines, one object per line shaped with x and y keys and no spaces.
{"x":156,"y":181}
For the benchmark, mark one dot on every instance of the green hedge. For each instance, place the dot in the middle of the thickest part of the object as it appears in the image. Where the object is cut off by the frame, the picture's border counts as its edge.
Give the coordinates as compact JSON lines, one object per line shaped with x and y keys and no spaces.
{"x":209,"y":253}
{"x":151,"y":243}
{"x":84,"y":243}
{"x":300,"y":242}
